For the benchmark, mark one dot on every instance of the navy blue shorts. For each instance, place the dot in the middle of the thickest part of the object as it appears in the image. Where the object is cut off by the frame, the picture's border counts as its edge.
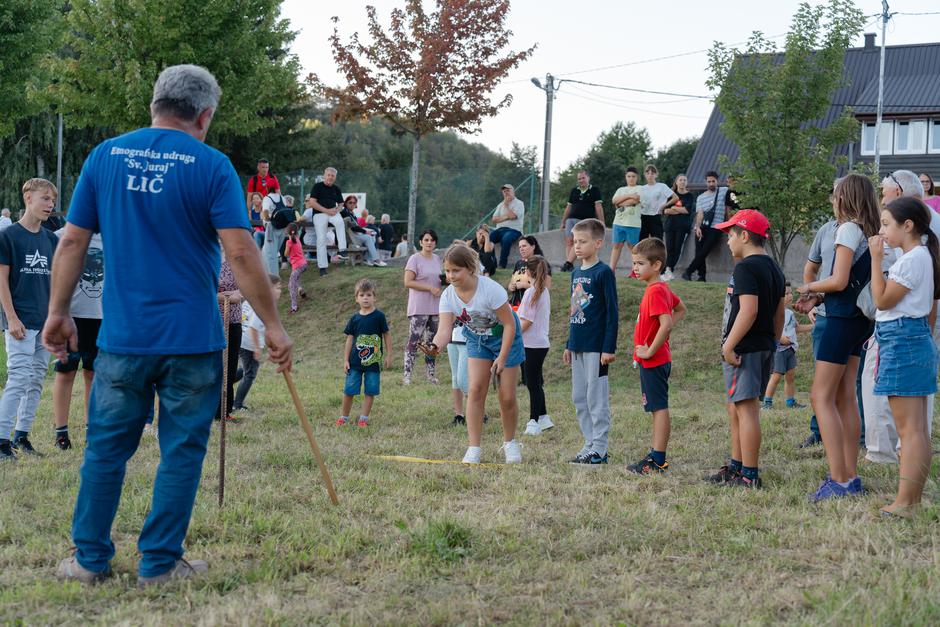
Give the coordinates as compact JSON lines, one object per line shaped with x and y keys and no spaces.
{"x":654,"y":383}
{"x":87,"y":346}
{"x":355,"y":379}
{"x":843,"y":338}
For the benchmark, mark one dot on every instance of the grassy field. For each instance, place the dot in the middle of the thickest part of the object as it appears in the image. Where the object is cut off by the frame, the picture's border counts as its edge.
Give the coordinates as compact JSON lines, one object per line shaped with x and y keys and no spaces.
{"x":542,"y":542}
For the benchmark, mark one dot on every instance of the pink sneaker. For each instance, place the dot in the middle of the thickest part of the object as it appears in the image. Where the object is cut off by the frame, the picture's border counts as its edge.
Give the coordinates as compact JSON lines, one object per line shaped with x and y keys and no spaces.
{"x":363,"y":421}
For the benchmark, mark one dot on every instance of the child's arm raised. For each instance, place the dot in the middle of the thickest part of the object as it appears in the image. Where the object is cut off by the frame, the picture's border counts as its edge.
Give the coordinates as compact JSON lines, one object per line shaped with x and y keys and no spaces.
{"x":504,"y":314}
{"x":747,"y":314}
{"x":347,"y":351}
{"x":884,"y":293}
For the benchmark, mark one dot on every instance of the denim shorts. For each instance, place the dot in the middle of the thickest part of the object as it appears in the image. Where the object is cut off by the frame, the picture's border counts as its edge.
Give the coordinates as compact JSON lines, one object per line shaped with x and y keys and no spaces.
{"x":907,"y":358}
{"x":628,"y":234}
{"x":354,"y":382}
{"x":488,"y":346}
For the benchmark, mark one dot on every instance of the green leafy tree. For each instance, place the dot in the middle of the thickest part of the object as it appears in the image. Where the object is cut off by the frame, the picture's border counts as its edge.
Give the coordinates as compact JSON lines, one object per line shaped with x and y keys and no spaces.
{"x":773,"y":103}
{"x":674,"y":159}
{"x":28,"y":30}
{"x":607,"y":159}
{"x":116,"y":49}
{"x":427,"y":72}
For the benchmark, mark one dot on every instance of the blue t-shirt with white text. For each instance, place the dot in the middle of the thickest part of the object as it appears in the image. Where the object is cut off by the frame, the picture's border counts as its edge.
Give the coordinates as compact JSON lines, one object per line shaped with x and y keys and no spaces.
{"x":158,"y":196}
{"x":593,"y":313}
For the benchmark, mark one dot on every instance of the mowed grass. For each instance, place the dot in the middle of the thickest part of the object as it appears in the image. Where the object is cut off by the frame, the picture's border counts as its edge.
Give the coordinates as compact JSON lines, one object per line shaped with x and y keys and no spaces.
{"x":538,"y":543}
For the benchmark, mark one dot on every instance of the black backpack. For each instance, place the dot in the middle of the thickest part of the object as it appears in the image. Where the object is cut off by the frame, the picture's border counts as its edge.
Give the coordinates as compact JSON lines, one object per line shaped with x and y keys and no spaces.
{"x":282,"y":215}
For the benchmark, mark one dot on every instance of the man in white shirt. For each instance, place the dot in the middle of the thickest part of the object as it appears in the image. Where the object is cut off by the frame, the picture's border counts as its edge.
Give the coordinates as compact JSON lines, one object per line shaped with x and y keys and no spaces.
{"x":508,"y":217}
{"x":5,"y":220}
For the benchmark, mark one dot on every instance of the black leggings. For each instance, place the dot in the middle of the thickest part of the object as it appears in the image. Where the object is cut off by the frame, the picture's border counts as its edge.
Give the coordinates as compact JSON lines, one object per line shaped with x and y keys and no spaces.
{"x":675,"y":240}
{"x":651,"y":226}
{"x":534,"y":358}
{"x":231,"y":355}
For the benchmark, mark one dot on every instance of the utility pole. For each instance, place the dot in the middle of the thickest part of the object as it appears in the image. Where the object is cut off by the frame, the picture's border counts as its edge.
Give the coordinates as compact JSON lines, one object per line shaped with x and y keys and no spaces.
{"x":58,"y":167}
{"x":549,"y":89}
{"x":885,"y":16}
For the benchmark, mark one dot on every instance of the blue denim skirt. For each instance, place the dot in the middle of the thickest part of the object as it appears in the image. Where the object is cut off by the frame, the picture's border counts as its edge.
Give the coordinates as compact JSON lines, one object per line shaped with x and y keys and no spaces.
{"x":488,"y":346}
{"x":907,"y":358}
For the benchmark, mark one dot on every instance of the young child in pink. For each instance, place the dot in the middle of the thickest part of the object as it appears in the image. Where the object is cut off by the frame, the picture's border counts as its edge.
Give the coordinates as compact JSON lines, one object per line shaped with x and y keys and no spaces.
{"x":298,"y":264}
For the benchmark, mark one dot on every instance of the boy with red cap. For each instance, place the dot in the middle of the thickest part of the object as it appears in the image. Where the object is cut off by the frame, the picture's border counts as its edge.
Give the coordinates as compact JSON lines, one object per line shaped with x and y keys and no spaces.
{"x":753,"y":321}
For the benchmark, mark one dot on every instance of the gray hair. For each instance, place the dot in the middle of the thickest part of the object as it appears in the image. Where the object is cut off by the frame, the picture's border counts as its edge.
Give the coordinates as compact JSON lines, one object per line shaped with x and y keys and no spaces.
{"x":907,"y":182}
{"x":387,"y":218}
{"x":185,"y":91}
{"x":330,"y":169}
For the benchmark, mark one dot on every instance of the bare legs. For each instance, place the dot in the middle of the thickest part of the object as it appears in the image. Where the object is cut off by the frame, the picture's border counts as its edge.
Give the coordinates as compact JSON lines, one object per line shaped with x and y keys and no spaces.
{"x":479,"y":375}
{"x":836,"y":408}
{"x":910,"y":416}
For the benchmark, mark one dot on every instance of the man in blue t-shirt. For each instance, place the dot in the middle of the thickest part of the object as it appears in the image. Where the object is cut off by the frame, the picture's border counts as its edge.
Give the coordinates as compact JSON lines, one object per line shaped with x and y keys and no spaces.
{"x":26,"y":251}
{"x":161,"y":200}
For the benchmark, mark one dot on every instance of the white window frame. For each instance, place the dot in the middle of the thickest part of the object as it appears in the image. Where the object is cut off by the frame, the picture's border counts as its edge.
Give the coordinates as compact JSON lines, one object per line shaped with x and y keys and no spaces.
{"x":887,"y":147}
{"x":917,"y":150}
{"x":933,"y":128}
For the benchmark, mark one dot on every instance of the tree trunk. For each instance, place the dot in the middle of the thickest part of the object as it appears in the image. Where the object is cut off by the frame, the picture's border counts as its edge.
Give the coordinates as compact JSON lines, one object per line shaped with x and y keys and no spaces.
{"x":413,"y":190}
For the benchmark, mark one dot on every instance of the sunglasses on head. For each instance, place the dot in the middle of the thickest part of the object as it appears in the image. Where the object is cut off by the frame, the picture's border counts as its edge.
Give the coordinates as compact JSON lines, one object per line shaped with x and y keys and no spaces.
{"x":896,"y":183}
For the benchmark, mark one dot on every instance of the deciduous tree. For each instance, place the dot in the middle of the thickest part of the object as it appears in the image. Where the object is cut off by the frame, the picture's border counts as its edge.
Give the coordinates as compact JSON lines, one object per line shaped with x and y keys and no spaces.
{"x":426,"y":72}
{"x":773,"y":102}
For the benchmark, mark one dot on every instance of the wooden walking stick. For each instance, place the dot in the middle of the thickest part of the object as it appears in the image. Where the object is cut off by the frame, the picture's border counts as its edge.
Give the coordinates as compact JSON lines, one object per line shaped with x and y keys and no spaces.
{"x":224,"y":403}
{"x":313,"y":442}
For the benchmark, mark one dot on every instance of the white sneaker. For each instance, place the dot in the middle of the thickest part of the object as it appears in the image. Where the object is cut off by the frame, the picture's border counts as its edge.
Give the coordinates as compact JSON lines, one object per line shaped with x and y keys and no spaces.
{"x":545,"y":423}
{"x":532,"y":428}
{"x":513,"y":451}
{"x":472,"y":456}
{"x":379,"y":263}
{"x":668,"y":276}
{"x":369,"y":263}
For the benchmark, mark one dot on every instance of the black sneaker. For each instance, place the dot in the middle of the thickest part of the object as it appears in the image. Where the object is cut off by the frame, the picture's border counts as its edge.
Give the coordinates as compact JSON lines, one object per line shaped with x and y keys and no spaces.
{"x":567,"y":267}
{"x":63,"y":443}
{"x":322,"y":271}
{"x":724,"y":475}
{"x":686,"y":276}
{"x":740,"y":481}
{"x":459,"y":420}
{"x":590,"y":458}
{"x":811,"y":440}
{"x":23,"y":445}
{"x":6,"y":452}
{"x":647,"y":466}
{"x":580,"y":458}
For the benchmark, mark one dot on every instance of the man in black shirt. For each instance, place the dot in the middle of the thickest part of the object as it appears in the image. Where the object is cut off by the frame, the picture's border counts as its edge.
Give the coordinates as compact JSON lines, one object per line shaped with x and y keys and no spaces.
{"x":584,"y":202}
{"x":326,"y":200}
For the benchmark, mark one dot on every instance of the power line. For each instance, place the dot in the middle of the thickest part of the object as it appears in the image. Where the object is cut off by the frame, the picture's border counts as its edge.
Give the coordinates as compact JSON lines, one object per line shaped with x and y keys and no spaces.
{"x":924,"y":13}
{"x":619,"y":106}
{"x":642,"y":91}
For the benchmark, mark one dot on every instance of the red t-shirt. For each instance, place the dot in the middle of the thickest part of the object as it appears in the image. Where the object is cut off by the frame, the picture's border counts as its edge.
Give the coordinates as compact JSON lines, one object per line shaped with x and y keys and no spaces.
{"x":262,"y":184}
{"x":658,"y":299}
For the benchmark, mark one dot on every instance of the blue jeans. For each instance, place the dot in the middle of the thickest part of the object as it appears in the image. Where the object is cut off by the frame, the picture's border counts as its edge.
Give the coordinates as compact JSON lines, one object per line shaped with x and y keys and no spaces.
{"x":259,"y":238}
{"x":505,"y":238}
{"x":189,"y":387}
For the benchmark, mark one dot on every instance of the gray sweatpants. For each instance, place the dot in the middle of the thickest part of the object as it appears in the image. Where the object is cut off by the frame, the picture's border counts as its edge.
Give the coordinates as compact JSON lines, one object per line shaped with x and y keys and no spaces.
{"x":27,"y":363}
{"x":590,"y":393}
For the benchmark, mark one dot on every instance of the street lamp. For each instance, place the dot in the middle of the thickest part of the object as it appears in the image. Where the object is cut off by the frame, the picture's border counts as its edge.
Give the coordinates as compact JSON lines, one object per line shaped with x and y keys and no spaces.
{"x":550,"y":87}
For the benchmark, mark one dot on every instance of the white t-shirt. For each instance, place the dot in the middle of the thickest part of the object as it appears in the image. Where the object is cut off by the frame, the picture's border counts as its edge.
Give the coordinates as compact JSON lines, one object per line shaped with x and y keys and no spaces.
{"x":268,"y":203}
{"x":789,"y":331}
{"x":653,"y":197}
{"x":628,"y":215}
{"x":5,"y":222}
{"x":850,"y":235}
{"x":538,"y":314}
{"x":310,"y":234}
{"x":251,"y":320}
{"x":402,"y":249}
{"x":86,"y":299}
{"x":479,"y":315}
{"x":914,"y":270}
{"x":517,"y":208}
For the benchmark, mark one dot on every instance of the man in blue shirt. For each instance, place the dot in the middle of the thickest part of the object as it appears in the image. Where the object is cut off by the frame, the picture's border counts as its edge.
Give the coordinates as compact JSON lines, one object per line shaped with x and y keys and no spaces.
{"x":161,"y":200}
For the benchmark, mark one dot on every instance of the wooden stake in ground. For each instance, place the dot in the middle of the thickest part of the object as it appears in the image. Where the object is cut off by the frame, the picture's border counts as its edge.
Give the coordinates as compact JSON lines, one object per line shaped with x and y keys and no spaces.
{"x":313,"y":442}
{"x":224,"y":403}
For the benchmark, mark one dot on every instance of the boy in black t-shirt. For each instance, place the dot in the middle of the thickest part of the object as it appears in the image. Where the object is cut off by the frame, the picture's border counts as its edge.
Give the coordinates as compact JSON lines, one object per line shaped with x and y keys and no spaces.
{"x":367,"y":339}
{"x":26,"y":251}
{"x":753,"y":320}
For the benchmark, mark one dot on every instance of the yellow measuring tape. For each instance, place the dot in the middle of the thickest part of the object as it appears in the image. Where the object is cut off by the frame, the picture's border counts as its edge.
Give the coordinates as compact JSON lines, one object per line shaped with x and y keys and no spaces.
{"x":421,"y":460}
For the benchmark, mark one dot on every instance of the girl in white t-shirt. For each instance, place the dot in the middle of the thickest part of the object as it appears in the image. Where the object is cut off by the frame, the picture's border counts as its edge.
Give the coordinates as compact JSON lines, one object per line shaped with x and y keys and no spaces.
{"x":534,"y":312}
{"x":907,"y":355}
{"x":494,"y":345}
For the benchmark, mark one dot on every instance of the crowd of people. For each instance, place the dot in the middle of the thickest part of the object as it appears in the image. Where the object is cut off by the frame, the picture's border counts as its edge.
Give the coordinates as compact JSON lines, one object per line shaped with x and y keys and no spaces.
{"x":871,"y":286}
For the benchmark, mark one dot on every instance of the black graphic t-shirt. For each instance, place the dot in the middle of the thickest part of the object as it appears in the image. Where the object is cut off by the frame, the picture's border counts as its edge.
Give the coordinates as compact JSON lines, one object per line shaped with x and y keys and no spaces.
{"x":29,"y":256}
{"x":756,"y":275}
{"x":582,"y":202}
{"x":367,"y":332}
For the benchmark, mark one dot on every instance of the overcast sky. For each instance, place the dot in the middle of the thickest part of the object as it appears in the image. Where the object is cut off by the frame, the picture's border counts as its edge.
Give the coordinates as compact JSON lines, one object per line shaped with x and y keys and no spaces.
{"x":582,"y":40}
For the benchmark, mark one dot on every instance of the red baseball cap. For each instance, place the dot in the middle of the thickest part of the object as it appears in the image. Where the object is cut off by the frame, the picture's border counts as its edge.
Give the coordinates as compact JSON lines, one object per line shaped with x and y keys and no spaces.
{"x":748,"y":219}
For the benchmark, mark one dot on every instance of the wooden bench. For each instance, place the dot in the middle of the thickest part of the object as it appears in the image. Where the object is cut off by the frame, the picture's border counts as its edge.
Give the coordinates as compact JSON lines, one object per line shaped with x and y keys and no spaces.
{"x":355,"y":255}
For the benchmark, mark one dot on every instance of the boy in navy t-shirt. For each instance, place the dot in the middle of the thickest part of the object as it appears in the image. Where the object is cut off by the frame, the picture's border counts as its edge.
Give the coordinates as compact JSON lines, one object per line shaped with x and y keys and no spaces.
{"x":592,"y":340}
{"x":367,"y":340}
{"x":26,"y":251}
{"x":753,"y":320}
